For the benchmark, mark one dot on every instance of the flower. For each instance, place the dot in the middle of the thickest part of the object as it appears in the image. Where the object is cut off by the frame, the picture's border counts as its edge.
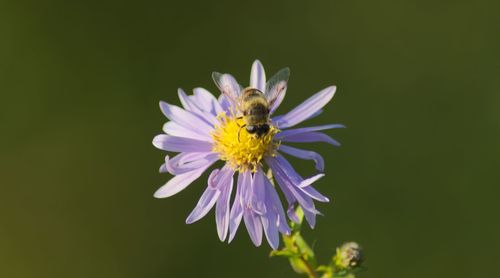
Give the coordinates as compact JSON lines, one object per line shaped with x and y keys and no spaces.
{"x":208,"y":129}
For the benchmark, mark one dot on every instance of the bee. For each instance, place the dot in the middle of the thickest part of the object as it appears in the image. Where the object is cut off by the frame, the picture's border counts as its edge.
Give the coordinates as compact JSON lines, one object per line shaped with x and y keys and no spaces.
{"x":255,"y":109}
{"x":254,"y":105}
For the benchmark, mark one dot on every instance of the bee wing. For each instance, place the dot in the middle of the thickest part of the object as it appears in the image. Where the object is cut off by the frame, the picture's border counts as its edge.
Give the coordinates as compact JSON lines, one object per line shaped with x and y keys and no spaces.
{"x":228,"y":86}
{"x":276,"y":88}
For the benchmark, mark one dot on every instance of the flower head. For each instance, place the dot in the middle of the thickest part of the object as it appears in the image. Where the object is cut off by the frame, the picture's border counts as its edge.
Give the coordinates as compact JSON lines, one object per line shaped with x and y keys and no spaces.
{"x":208,"y":129}
{"x":349,"y":255}
{"x":242,"y":150}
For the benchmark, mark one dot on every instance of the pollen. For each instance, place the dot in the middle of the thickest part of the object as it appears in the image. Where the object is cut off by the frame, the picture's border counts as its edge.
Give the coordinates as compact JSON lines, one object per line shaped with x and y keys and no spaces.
{"x":242,"y":150}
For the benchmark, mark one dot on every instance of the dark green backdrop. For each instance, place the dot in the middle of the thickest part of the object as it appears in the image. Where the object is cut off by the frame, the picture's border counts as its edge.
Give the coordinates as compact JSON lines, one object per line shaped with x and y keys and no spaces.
{"x":414,"y":181}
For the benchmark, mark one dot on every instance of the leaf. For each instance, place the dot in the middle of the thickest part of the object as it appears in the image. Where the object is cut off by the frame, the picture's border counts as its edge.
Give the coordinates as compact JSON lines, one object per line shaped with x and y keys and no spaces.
{"x":324,"y":268}
{"x":283,"y":253}
{"x":299,"y":266}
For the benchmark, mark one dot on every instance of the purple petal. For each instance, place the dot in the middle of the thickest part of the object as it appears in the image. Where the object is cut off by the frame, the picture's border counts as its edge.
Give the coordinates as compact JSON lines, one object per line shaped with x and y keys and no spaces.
{"x":258,"y":76}
{"x":277,"y":118}
{"x":225,"y":104}
{"x":305,"y":201}
{"x":303,"y":154}
{"x":222,"y":207}
{"x":193,"y":106}
{"x":311,"y":137}
{"x":204,"y":205}
{"x":163,"y":167}
{"x":185,"y":162}
{"x":186,"y":102}
{"x":269,"y":220}
{"x":284,"y":167}
{"x":214,"y":189}
{"x":237,"y":210}
{"x":180,"y":144}
{"x":254,"y":226}
{"x":288,"y":180}
{"x":311,"y":218}
{"x":302,"y":130}
{"x":185,"y":118}
{"x":251,"y":219}
{"x":259,"y":192}
{"x":174,"y":129}
{"x":273,"y":201}
{"x":207,"y":101}
{"x":269,"y":224}
{"x":291,"y":213}
{"x":274,"y":219}
{"x":307,"y":182}
{"x":179,"y":182}
{"x":307,"y":108}
{"x":313,"y":193}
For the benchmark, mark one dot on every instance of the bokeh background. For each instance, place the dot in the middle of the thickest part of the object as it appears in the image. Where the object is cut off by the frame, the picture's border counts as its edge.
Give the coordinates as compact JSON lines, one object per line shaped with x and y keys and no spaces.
{"x":415,"y":182}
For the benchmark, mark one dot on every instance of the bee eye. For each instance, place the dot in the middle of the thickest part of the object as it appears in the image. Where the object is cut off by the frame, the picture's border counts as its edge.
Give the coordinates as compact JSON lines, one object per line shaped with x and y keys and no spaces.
{"x":251,"y":128}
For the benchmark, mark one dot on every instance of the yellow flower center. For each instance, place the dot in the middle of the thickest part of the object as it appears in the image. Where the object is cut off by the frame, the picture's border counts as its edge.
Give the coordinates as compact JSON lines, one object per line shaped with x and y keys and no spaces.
{"x":242,"y":150}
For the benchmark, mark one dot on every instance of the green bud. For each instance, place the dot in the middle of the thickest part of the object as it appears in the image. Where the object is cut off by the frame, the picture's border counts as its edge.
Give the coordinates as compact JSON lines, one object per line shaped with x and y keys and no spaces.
{"x":348,"y":256}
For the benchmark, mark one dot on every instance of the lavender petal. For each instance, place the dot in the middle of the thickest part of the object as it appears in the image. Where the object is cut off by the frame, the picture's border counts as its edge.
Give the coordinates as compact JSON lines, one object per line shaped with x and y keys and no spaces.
{"x":307,"y":182}
{"x":313,"y":193}
{"x":311,"y":218}
{"x":180,"y":144}
{"x":222,"y":207}
{"x":193,"y":106}
{"x":303,"y":154}
{"x":289,"y":180}
{"x":207,"y":101}
{"x":273,"y":204}
{"x":258,"y":76}
{"x":163,"y":167}
{"x":225,"y":104}
{"x":204,"y":205}
{"x":297,"y":131}
{"x":179,"y":182}
{"x":291,"y":214}
{"x":254,"y":226}
{"x":307,"y":108}
{"x":311,"y":137}
{"x":185,"y":118}
{"x":237,"y":209}
{"x":269,"y":224}
{"x":174,"y":129}
{"x":259,"y":193}
{"x":185,"y":162}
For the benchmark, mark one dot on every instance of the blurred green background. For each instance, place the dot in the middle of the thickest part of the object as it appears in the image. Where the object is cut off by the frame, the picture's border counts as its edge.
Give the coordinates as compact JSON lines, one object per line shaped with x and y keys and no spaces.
{"x":414,"y":182}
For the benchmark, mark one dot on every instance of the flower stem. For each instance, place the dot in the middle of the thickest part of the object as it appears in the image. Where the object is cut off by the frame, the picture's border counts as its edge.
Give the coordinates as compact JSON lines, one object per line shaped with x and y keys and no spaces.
{"x":310,"y":271}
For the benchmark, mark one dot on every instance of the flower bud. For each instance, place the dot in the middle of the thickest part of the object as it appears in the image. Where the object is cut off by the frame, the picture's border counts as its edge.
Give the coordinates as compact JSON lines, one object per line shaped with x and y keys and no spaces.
{"x":348,"y":256}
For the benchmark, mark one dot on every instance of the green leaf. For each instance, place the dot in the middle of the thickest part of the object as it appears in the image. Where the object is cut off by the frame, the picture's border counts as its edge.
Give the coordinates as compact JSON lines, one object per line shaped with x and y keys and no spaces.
{"x":324,"y":268}
{"x":298,"y":265}
{"x":283,"y":253}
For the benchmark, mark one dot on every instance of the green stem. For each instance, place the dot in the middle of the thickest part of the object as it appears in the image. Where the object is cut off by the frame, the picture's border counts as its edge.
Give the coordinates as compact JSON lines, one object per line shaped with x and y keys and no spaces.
{"x":310,"y":271}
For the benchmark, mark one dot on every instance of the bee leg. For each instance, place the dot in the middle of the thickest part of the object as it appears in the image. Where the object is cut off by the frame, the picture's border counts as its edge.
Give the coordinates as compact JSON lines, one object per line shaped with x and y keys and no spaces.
{"x":239,"y":131}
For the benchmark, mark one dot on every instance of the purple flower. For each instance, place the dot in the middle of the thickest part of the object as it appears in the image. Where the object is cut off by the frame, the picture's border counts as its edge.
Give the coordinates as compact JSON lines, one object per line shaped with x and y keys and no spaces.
{"x":208,"y":129}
